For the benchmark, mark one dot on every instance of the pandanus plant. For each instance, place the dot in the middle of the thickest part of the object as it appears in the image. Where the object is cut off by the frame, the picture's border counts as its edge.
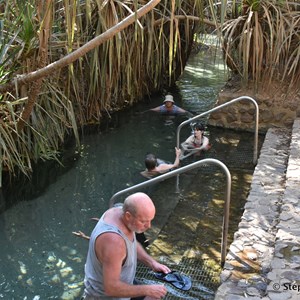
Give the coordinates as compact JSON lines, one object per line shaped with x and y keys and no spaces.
{"x":65,"y":63}
{"x":261,"y":40}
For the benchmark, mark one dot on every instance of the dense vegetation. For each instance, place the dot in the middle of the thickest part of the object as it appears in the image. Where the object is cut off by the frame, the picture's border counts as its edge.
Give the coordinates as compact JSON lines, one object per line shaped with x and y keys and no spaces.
{"x":65,"y":64}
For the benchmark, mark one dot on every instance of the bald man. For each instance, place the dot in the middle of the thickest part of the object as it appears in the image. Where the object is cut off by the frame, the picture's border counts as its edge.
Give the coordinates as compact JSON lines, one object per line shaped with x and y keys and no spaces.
{"x":113,"y":253}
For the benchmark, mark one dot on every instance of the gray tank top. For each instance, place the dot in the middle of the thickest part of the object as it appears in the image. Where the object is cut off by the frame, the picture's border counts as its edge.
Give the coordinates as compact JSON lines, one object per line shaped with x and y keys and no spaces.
{"x":93,"y":268}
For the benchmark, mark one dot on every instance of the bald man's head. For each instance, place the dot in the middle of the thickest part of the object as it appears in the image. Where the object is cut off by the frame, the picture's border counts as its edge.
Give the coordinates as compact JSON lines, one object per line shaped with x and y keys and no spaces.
{"x":138,"y":211}
{"x":138,"y":203}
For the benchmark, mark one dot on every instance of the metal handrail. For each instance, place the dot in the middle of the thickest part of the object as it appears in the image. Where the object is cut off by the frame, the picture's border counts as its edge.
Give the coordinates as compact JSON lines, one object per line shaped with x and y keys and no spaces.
{"x":182,"y":170}
{"x":255,"y":153}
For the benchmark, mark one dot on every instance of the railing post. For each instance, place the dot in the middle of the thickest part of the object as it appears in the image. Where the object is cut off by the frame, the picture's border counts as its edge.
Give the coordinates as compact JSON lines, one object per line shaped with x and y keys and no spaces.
{"x":255,"y":146}
{"x":184,"y":169}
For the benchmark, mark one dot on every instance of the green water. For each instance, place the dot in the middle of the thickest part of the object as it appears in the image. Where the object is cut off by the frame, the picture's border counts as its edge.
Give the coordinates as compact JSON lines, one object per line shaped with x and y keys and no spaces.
{"x":40,"y":257}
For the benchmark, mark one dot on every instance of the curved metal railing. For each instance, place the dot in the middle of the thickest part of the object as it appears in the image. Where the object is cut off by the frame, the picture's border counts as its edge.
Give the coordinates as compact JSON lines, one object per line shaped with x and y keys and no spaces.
{"x":184,"y":169}
{"x":220,"y":107}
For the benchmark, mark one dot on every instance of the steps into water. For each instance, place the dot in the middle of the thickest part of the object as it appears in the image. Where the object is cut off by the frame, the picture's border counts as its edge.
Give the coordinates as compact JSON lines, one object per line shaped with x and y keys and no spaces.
{"x":263,"y":261}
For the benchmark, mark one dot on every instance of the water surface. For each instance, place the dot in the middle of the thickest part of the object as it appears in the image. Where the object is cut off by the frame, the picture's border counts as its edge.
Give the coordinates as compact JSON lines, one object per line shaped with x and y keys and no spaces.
{"x":40,"y":257}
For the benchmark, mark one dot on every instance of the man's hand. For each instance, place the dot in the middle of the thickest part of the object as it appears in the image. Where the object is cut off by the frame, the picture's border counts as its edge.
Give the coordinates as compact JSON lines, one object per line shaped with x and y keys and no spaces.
{"x":155,"y":291}
{"x":158,"y":267}
{"x":177,"y":151}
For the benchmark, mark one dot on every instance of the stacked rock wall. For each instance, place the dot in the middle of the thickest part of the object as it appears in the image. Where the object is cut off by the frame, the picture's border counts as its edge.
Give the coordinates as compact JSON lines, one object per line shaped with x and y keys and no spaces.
{"x":278,"y":107}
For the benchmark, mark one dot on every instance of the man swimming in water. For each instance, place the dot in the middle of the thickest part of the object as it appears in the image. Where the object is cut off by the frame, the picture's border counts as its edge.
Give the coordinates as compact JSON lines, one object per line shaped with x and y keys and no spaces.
{"x":156,"y":166}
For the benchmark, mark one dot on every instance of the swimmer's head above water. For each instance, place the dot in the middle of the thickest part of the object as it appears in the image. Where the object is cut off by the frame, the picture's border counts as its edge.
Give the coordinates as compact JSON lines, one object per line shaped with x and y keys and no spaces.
{"x":150,"y":161}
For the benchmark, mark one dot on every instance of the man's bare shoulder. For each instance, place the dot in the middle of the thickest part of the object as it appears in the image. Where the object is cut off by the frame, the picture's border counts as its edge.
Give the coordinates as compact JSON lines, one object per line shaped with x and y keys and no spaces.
{"x":110,"y":238}
{"x":110,"y":244}
{"x":149,"y":174}
{"x":162,"y":168}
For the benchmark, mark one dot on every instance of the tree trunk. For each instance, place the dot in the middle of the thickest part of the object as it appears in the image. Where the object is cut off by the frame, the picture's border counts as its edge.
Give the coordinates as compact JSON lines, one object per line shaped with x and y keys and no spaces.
{"x":42,"y":62}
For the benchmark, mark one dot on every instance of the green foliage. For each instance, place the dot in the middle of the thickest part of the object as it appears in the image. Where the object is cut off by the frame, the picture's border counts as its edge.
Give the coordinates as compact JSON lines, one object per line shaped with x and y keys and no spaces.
{"x":143,"y":58}
{"x":261,"y":40}
{"x":254,"y":5}
{"x":146,"y":56}
{"x":53,"y":115}
{"x":28,"y":33}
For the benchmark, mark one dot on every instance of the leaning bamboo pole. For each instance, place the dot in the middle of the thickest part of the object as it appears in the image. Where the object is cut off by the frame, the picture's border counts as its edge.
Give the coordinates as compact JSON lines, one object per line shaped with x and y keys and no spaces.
{"x":68,"y":59}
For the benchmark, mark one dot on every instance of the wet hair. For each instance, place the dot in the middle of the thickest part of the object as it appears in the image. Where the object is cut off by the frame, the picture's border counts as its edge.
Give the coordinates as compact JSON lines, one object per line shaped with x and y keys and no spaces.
{"x":150,"y":161}
{"x":199,"y":126}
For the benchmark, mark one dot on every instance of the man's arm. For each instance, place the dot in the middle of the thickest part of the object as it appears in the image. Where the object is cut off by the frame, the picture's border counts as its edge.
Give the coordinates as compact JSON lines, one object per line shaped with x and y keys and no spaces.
{"x":177,"y":160}
{"x":149,"y":261}
{"x":166,"y":167}
{"x":111,"y":252}
{"x":146,"y":174}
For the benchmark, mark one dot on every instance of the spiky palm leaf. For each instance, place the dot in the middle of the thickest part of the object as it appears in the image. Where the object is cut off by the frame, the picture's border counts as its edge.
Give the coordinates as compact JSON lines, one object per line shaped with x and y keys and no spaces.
{"x":49,"y":121}
{"x":261,"y":40}
{"x":142,"y":58}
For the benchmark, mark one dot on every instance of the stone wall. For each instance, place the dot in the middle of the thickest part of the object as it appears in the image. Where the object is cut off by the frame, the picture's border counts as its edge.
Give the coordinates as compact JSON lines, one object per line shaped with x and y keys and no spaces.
{"x":278,"y":107}
{"x":263,"y":261}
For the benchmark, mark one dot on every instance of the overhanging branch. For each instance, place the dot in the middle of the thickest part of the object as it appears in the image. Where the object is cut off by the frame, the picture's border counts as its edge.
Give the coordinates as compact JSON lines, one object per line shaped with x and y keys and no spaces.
{"x":68,"y":59}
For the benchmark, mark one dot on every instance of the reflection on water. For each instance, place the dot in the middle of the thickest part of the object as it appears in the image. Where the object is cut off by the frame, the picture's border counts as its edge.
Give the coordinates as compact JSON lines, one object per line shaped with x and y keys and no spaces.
{"x":39,"y":254}
{"x":202,"y":79}
{"x":191,"y":237}
{"x":40,"y":258}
